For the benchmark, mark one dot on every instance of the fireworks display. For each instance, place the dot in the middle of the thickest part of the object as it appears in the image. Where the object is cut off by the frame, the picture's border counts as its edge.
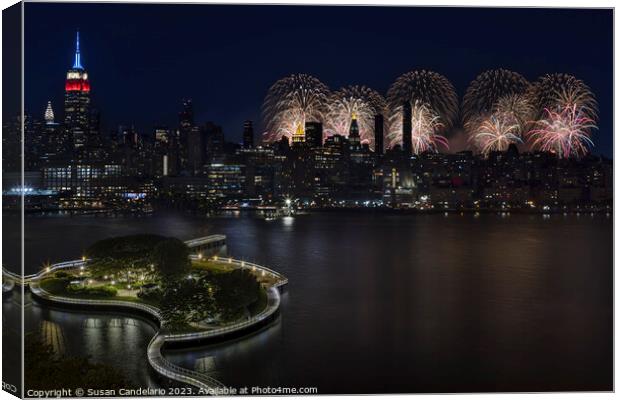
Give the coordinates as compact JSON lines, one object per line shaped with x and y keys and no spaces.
{"x":506,"y":123}
{"x":565,"y":132}
{"x":291,"y":102}
{"x":483,"y":95}
{"x":425,"y":87}
{"x":359,"y":101}
{"x":434,"y":105}
{"x":496,"y":133}
{"x":556,"y":113}
{"x":555,"y":92}
{"x":516,"y":107}
{"x":425,"y":125}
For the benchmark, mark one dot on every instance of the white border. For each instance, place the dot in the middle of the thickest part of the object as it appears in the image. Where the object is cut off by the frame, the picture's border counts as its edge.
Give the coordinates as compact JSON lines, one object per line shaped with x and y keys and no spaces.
{"x":455,"y":3}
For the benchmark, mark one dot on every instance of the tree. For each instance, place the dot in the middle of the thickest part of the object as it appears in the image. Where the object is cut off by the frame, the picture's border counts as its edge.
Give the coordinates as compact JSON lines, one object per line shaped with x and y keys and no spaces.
{"x":234,"y":292}
{"x":121,"y":254}
{"x":185,"y":301}
{"x":171,"y":258}
{"x":130,"y":247}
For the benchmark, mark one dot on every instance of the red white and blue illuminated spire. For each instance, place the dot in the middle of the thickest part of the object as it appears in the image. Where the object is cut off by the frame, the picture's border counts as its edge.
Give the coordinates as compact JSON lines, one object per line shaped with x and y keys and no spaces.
{"x":77,"y":63}
{"x":77,"y":77}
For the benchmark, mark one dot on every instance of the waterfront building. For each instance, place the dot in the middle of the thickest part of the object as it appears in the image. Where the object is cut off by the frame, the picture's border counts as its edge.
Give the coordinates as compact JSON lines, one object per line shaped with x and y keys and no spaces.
{"x":181,"y":189}
{"x":261,"y":164}
{"x":226,"y":180}
{"x":84,"y":185}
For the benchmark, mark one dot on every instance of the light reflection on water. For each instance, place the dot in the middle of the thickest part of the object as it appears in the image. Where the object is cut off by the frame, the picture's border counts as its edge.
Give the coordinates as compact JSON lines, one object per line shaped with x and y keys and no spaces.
{"x":103,"y":337}
{"x":382,"y":302}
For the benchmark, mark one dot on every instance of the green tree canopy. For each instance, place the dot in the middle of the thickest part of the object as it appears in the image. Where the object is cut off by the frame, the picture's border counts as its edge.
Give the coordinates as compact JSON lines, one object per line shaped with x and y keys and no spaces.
{"x":171,"y":258}
{"x":234,"y":292}
{"x":185,"y":301}
{"x":132,"y":247}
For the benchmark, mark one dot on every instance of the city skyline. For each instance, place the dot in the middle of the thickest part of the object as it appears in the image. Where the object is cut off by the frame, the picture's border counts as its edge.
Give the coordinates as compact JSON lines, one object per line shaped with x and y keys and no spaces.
{"x":146,"y":114}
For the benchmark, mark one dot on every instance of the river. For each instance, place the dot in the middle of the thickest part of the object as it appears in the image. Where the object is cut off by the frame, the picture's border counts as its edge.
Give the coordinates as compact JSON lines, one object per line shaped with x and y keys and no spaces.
{"x":376,"y":302}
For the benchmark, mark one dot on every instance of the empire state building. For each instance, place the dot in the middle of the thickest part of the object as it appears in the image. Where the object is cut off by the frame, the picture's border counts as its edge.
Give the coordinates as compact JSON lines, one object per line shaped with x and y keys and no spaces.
{"x":77,"y":100}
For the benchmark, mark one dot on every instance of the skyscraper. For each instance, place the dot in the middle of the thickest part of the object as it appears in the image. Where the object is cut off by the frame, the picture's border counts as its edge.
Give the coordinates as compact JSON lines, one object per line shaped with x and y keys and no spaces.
{"x":299,"y":136}
{"x":197,"y":150}
{"x":77,"y":100}
{"x":248,"y":135}
{"x":49,"y":114}
{"x":314,"y":134}
{"x":215,"y":141}
{"x":379,"y":134}
{"x":407,"y":145}
{"x":354,"y":132}
{"x":186,"y":122}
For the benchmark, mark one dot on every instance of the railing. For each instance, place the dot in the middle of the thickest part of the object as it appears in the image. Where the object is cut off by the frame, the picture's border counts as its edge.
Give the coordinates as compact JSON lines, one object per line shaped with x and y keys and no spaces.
{"x":273,"y":303}
{"x":173,"y":371}
{"x":76,"y":263}
{"x":205,"y":240}
{"x":52,"y":268}
{"x":281,"y":279}
{"x":8,"y":286}
{"x":155,"y":358}
{"x":39,"y":291}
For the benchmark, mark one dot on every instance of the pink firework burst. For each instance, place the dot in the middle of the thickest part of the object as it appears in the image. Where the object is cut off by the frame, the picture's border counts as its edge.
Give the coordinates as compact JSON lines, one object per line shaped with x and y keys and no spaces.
{"x":565,"y":132}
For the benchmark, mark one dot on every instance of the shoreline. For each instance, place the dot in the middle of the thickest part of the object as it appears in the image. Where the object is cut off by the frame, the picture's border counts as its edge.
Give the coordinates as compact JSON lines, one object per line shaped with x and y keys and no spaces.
{"x":585,"y":209}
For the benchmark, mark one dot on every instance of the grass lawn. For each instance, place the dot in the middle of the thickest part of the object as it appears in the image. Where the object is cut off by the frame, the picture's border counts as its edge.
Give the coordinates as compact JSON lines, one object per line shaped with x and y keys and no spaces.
{"x":58,"y":287}
{"x":216,"y":267}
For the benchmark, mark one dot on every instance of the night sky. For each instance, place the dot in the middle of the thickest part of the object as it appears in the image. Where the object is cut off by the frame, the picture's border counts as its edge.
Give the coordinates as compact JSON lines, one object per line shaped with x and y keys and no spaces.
{"x":143,"y":59}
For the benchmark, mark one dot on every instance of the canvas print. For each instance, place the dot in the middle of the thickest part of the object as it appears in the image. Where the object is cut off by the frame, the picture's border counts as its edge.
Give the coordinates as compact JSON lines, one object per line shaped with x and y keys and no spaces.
{"x":205,"y":199}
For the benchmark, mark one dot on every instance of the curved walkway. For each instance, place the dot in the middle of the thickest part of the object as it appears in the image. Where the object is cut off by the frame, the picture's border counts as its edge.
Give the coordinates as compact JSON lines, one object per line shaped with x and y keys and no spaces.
{"x":155,"y":357}
{"x":191,"y":243}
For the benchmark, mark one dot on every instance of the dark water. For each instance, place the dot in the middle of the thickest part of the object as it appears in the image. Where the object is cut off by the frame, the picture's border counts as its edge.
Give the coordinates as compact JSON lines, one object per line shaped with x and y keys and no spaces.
{"x":390,"y":303}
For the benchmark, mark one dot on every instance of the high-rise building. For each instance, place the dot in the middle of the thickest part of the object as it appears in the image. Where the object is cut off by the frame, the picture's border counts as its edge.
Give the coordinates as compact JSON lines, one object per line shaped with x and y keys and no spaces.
{"x":186,"y":122}
{"x":57,"y":144}
{"x":407,"y":145}
{"x":186,"y":116}
{"x":314,"y":134}
{"x":94,"y":140}
{"x":379,"y":134}
{"x":214,"y":141}
{"x":299,"y":136}
{"x":77,"y":100}
{"x":248,"y":135}
{"x":162,"y":135}
{"x":197,"y":149}
{"x":354,"y":133}
{"x":49,"y":114}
